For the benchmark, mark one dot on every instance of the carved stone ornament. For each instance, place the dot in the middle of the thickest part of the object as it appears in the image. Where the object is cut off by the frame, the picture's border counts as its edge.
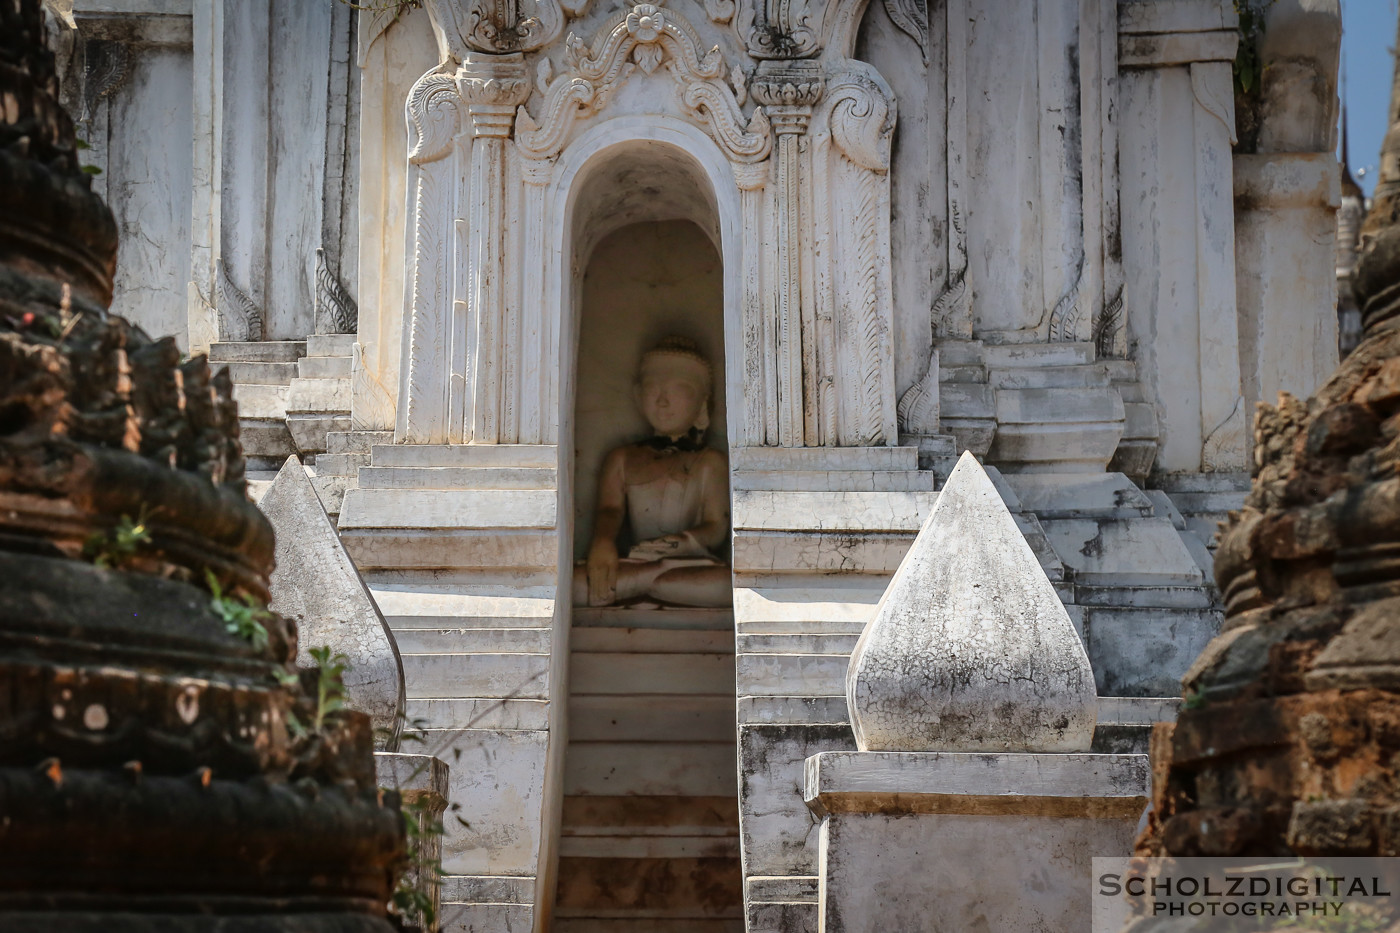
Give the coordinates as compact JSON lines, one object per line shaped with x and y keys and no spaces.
{"x":970,"y":649}
{"x":779,"y":29}
{"x":646,"y":37}
{"x":240,"y":319}
{"x":336,"y":312}
{"x":495,"y":26}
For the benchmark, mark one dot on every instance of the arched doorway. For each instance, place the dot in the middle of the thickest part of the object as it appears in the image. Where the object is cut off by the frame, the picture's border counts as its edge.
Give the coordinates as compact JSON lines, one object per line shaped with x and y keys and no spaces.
{"x":648,"y":830}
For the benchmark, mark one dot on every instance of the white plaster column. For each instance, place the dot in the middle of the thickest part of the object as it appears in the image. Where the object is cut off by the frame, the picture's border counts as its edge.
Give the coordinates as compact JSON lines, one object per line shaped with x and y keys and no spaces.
{"x":1287,"y":191}
{"x":535,"y":343}
{"x":760,"y":412}
{"x":788,"y":90}
{"x":1177,"y":126}
{"x":205,"y":200}
{"x":483,"y":377}
{"x":434,"y":116}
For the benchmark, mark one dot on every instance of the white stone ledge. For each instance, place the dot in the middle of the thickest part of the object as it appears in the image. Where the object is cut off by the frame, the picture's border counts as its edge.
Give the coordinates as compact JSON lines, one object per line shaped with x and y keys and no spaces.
{"x":793,"y":710}
{"x":782,"y":889}
{"x":1149,"y":16}
{"x":1181,"y":48}
{"x":450,"y":549}
{"x":465,"y":455}
{"x":488,"y":889}
{"x":1108,"y":786}
{"x":764,"y":510}
{"x":1287,"y":179}
{"x":843,"y":552}
{"x":449,"y":508}
{"x":824,"y":458}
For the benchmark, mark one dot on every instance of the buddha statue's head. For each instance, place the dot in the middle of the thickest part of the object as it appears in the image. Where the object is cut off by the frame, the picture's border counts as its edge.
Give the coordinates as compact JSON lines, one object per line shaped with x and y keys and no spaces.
{"x":673,"y":388}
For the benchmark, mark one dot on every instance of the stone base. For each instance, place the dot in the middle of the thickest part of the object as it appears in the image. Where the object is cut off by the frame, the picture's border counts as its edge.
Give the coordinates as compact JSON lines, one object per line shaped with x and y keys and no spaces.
{"x":956,"y":842}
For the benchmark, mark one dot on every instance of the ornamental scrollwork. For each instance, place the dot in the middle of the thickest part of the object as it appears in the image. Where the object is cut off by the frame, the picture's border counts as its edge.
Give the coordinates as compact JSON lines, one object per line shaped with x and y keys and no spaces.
{"x":649,"y":38}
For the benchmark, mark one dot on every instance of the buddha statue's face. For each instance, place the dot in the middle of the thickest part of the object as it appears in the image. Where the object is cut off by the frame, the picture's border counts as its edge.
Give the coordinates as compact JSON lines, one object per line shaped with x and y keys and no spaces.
{"x":672,"y":392}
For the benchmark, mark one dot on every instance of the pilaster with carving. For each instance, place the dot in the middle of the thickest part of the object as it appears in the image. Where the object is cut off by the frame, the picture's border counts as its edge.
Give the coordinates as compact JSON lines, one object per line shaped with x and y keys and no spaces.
{"x":788,"y":91}
{"x":492,"y":87}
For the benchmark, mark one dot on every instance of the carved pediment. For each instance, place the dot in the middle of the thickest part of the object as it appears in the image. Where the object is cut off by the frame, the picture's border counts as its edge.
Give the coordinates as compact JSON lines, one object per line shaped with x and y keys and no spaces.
{"x":646,"y":38}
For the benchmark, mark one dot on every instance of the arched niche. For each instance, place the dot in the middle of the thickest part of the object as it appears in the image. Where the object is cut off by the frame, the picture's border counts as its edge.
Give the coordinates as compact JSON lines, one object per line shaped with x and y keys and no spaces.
{"x":648,"y":266}
{"x":631,"y":170}
{"x":650,"y":754}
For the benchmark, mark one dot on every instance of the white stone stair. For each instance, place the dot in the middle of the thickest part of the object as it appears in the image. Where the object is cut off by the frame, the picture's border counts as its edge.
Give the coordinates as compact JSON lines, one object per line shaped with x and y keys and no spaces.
{"x":318,"y":400}
{"x":262,"y":373}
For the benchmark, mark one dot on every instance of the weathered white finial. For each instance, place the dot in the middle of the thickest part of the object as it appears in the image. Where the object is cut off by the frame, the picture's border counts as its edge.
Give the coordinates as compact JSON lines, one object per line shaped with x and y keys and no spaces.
{"x":970,"y":650}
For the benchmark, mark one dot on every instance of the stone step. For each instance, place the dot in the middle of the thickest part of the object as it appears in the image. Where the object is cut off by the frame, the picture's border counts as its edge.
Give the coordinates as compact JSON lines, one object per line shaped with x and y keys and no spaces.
{"x":971,"y":373}
{"x":256,"y":373}
{"x":356,"y":442}
{"x":1122,"y":552}
{"x":331,"y":345}
{"x":487,"y":550}
{"x":788,"y":459}
{"x":649,"y":718}
{"x":267,"y":351}
{"x":450,"y":508}
{"x":1079,"y":495}
{"x":429,"y":676}
{"x":323,"y":367}
{"x":966,"y":400}
{"x":649,"y":846}
{"x":718,"y":620}
{"x":1037,"y":355}
{"x":634,"y":673}
{"x":824,"y":643}
{"x":646,"y":769}
{"x":465,"y":455}
{"x":329,"y":464}
{"x":458,"y":477}
{"x":793,"y":710}
{"x":651,"y":640}
{"x":479,"y":713}
{"x":1144,"y":652}
{"x":331,"y":491}
{"x":428,"y":606}
{"x":309,"y":429}
{"x":1045,"y":377}
{"x":791,"y":674}
{"x":837,"y":480}
{"x":763,"y":510}
{"x":472,"y":640}
{"x":267,"y":402}
{"x":266,"y":438}
{"x":319,"y":395}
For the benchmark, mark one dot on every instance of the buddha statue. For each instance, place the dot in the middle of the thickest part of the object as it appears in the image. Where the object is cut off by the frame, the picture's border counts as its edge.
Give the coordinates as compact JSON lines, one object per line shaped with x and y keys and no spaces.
{"x":671,"y":491}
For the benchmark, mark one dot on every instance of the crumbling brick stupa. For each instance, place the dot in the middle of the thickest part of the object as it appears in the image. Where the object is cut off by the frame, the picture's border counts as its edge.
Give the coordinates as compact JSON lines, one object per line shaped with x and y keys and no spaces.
{"x":1289,"y":739}
{"x":163,"y":765}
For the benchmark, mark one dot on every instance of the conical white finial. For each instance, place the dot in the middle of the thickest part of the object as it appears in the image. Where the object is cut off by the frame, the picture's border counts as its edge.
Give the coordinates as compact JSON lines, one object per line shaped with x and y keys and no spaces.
{"x":970,"y":650}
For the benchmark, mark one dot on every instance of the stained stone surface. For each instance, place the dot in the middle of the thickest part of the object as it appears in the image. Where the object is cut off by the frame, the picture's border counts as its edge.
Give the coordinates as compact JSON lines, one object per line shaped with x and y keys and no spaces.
{"x":970,"y":649}
{"x":316,"y":585}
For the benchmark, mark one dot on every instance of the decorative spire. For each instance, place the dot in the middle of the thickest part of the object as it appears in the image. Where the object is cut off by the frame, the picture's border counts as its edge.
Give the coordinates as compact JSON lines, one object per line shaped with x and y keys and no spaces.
{"x":970,"y":649}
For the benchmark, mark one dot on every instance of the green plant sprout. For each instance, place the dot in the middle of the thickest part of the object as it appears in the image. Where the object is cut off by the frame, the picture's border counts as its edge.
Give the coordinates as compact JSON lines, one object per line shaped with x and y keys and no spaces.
{"x":115,"y":547}
{"x":241,"y":617}
{"x":330,"y":685}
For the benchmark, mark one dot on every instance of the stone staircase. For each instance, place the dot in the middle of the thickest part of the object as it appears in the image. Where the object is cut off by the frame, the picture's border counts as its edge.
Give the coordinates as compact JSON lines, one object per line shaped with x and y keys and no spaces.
{"x":262,"y":375}
{"x":649,"y":838}
{"x":318,"y":398}
{"x":460,"y":549}
{"x":337,"y":470}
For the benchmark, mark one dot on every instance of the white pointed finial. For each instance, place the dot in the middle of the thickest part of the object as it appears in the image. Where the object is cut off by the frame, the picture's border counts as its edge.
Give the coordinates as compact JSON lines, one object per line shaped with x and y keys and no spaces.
{"x":970,"y":650}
